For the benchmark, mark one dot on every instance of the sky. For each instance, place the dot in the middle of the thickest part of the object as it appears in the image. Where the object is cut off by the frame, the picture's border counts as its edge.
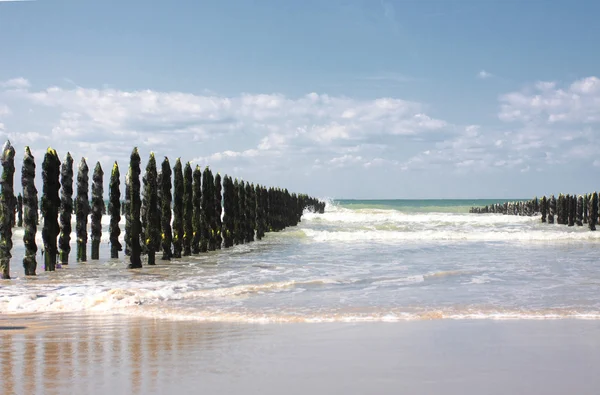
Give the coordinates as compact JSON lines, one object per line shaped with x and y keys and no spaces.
{"x":396,"y":99}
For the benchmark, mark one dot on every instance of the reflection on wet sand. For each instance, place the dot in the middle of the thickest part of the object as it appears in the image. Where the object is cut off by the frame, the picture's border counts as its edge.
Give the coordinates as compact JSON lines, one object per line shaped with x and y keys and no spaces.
{"x":89,"y":355}
{"x":103,"y":354}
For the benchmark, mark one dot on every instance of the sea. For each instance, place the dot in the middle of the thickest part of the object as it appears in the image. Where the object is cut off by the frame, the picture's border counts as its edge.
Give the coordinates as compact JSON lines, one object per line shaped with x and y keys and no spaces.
{"x":360,"y":261}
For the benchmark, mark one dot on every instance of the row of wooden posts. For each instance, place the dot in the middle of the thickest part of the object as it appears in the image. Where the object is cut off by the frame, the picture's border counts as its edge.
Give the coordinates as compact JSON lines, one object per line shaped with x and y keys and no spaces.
{"x":568,"y":209}
{"x":203,"y":213}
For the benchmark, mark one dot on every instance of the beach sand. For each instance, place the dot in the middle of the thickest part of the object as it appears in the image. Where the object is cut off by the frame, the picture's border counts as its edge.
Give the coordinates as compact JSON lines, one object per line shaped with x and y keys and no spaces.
{"x":69,"y":354}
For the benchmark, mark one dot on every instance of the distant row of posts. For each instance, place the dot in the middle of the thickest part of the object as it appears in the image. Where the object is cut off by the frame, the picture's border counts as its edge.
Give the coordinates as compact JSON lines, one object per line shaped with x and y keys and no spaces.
{"x":570,"y":210}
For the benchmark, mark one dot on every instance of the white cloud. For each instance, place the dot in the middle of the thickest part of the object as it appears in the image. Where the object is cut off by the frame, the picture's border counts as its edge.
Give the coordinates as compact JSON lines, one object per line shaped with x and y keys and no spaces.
{"x":346,"y":160}
{"x":4,"y":110}
{"x":547,"y":104}
{"x":483,"y":75}
{"x":16,"y":83}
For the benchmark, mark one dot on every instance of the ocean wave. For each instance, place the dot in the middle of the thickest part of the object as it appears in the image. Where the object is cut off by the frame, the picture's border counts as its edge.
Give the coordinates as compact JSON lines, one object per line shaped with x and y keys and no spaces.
{"x":525,"y":235}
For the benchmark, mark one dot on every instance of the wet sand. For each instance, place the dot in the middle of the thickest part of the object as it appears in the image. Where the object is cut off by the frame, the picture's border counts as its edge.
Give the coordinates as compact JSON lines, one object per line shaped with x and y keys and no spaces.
{"x":66,"y":354}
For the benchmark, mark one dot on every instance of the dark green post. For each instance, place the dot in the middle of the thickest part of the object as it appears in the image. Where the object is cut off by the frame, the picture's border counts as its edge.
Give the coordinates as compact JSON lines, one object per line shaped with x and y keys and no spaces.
{"x":127,"y":212}
{"x":177,"y":209}
{"x":243,"y":223}
{"x":114,"y":208}
{"x":218,"y":212}
{"x":551,"y":209}
{"x":544,"y":208}
{"x":197,"y":205}
{"x":98,"y":208}
{"x":20,"y":210}
{"x":228,"y":216}
{"x":593,"y":211}
{"x":152,"y":215}
{"x":188,"y":210}
{"x":50,"y":206}
{"x":579,"y":216}
{"x":82,"y":210}
{"x":66,"y":208}
{"x":7,"y":207}
{"x":250,"y":213}
{"x":165,"y":208}
{"x":135,"y":260}
{"x":207,"y":211}
{"x":572,"y":209}
{"x":30,"y":201}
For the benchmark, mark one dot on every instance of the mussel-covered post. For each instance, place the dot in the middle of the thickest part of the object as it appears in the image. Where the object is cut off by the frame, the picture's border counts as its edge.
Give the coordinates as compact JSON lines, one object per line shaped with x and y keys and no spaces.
{"x":218,"y":212}
{"x":572,"y":209}
{"x":228,"y":216}
{"x":238,"y":236}
{"x":243,"y":229}
{"x":127,"y":212}
{"x":593,"y":211}
{"x":19,"y":210}
{"x":177,"y":209}
{"x":188,"y":210}
{"x":197,"y":205}
{"x":152,"y":214}
{"x":66,"y":208}
{"x":114,"y":209}
{"x":50,"y":205}
{"x":98,"y":208}
{"x":250,"y":213}
{"x":260,"y":212}
{"x":82,"y":210}
{"x":7,"y":207}
{"x":30,"y":201}
{"x":544,"y":208}
{"x":165,"y":209}
{"x":135,"y":259}
{"x":212,"y":213}
{"x":551,"y":209}
{"x":579,"y":219}
{"x":207,"y":211}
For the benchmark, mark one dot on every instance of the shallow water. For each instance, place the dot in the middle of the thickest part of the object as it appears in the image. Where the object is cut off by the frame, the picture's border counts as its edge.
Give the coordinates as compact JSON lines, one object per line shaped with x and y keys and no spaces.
{"x":360,"y":261}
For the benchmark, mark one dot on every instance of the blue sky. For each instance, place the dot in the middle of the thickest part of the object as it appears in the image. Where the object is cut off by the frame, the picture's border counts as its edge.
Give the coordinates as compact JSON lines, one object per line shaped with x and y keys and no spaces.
{"x":338,"y":98}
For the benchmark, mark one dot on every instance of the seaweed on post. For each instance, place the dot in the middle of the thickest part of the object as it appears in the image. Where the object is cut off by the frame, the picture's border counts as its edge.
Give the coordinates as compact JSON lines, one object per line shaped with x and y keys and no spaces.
{"x":229,"y":212}
{"x":579,"y":215}
{"x":197,"y":205}
{"x":114,"y":208}
{"x":543,"y":208}
{"x":188,"y":210}
{"x":127,"y":212}
{"x":177,"y":209}
{"x":218,"y":212}
{"x":243,"y":222}
{"x":98,"y":208}
{"x":207,"y":211}
{"x":66,"y":208}
{"x":82,"y":210}
{"x":30,"y":220}
{"x":572,"y":209}
{"x":551,"y":209}
{"x":135,"y":259}
{"x":20,"y":210}
{"x":593,"y":211}
{"x":165,"y":209}
{"x":7,"y":208}
{"x":237,"y":231}
{"x":50,"y":206}
{"x":250,"y":213}
{"x":152,"y":214}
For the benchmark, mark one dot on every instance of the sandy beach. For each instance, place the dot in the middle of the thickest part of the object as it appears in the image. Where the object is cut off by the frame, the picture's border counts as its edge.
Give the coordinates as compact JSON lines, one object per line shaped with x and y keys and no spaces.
{"x":69,"y":354}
